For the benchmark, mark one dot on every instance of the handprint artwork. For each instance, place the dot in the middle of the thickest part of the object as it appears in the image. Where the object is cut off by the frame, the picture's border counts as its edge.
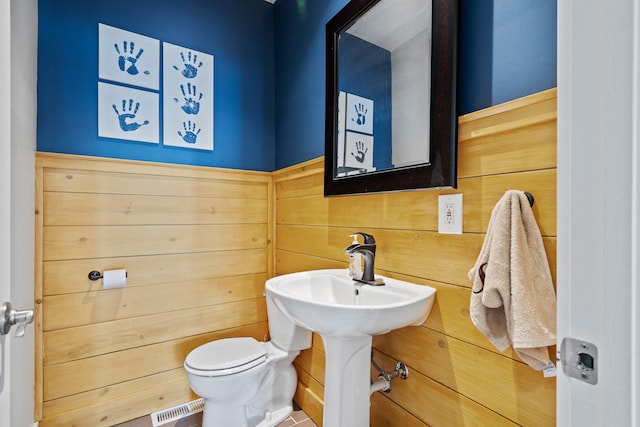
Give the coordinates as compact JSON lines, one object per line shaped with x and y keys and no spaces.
{"x":189,"y":67}
{"x":190,"y":133}
{"x":127,"y":115}
{"x":188,"y":98}
{"x":129,"y":58}
{"x":361,"y":112}
{"x":191,"y":101}
{"x":126,"y":60}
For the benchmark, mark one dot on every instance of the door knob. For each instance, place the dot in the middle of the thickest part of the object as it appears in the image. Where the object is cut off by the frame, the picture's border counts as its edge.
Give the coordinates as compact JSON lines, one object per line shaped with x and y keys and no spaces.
{"x":10,"y":317}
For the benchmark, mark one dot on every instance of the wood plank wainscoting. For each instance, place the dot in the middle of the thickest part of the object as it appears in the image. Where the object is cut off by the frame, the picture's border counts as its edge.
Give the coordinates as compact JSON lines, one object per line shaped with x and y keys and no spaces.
{"x":196,"y":243}
{"x":457,"y":378}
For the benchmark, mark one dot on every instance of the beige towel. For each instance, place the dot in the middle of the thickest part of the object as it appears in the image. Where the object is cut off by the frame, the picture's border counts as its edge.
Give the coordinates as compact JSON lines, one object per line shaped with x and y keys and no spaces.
{"x":513,"y":301}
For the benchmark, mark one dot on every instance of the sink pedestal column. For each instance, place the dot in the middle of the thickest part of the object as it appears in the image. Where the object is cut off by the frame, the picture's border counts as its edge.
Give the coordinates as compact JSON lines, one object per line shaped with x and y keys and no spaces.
{"x":347,"y":381}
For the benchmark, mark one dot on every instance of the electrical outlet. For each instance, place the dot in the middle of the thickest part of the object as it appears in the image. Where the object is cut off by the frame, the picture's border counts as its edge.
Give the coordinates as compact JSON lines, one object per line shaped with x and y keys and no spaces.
{"x":450,"y":213}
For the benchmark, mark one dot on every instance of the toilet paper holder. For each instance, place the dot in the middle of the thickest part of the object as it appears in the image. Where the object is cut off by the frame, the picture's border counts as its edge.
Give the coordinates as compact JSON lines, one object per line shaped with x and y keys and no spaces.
{"x":96,"y":275}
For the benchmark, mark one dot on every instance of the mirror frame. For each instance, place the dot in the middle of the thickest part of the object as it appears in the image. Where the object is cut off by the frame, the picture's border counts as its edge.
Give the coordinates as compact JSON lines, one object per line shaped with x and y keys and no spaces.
{"x":441,"y":172}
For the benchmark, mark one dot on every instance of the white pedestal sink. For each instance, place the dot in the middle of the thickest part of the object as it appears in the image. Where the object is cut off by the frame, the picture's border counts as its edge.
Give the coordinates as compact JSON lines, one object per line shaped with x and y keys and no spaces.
{"x":346,"y":314}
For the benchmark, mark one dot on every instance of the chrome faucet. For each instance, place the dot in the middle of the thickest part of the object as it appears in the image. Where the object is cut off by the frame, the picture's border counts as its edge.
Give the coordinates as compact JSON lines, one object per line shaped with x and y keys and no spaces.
{"x":368,"y":252}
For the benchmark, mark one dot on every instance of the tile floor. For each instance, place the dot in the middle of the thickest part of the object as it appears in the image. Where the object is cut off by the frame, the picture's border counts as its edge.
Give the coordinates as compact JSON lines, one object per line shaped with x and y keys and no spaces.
{"x":298,"y":419}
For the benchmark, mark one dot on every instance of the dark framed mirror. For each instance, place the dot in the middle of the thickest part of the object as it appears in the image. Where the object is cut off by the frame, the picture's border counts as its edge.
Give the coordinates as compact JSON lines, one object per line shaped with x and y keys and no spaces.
{"x":391,"y":120}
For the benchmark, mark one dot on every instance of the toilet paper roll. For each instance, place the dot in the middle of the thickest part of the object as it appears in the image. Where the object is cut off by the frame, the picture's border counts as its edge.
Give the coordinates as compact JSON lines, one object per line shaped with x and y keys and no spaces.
{"x":114,"y":278}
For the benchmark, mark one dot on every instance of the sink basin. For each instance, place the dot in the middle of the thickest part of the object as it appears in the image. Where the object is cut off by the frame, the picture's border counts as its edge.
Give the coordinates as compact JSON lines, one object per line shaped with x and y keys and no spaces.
{"x":346,"y":314}
{"x":330,"y":303}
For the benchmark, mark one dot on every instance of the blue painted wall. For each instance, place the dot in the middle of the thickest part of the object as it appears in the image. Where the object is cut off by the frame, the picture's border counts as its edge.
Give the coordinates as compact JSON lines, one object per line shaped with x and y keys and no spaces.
{"x":300,"y":78}
{"x":507,"y":49}
{"x":240,"y":35}
{"x":269,"y":70}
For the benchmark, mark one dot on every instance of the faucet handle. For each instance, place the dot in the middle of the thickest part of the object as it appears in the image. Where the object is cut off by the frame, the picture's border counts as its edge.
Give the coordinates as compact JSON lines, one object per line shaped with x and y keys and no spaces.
{"x":368,"y":238}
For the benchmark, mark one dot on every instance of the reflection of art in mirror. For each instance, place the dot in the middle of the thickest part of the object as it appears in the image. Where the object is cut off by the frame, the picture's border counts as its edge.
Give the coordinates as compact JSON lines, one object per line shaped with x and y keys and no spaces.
{"x":359,"y":149}
{"x":355,"y":135}
{"x":399,"y":55}
{"x":359,"y":113}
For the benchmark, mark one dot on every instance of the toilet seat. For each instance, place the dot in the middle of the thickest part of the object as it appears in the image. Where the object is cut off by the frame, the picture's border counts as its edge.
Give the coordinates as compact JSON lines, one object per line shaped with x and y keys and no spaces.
{"x":226,"y":356}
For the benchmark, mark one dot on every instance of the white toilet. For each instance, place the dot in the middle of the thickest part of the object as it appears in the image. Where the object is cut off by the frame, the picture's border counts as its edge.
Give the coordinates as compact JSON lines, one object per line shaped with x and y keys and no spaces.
{"x":247,"y":383}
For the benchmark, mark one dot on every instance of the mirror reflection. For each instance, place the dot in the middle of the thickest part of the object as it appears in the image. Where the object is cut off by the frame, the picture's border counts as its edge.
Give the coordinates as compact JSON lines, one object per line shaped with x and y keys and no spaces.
{"x":383,"y":82}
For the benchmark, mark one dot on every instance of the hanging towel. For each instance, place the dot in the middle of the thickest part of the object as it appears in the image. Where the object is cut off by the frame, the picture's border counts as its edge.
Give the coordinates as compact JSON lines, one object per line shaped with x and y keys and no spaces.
{"x":513,"y":300}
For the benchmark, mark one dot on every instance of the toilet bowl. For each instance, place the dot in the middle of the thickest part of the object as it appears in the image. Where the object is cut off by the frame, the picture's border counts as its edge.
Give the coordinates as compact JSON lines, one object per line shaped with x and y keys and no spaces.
{"x":247,"y":383}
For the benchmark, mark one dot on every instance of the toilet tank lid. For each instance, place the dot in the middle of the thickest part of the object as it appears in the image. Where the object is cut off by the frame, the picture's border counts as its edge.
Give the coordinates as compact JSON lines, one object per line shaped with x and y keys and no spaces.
{"x":226,"y":353}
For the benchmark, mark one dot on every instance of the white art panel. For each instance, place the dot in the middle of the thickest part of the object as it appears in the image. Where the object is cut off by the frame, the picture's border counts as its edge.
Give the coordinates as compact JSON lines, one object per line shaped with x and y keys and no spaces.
{"x":359,"y":114}
{"x":127,"y":113}
{"x":127,"y":57}
{"x":359,"y":151}
{"x":187,"y":97}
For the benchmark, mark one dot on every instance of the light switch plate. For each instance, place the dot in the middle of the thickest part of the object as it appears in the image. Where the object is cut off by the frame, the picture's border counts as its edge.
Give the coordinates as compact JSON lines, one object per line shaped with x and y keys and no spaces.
{"x":450,"y":213}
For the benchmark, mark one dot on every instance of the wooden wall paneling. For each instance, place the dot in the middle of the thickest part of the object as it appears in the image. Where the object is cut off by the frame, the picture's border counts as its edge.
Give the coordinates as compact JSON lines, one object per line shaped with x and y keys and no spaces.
{"x":291,"y":262}
{"x":71,"y":180}
{"x":124,"y":407}
{"x":311,"y":210}
{"x":77,"y":242}
{"x":84,"y":308}
{"x":312,"y":361}
{"x":93,"y":400}
{"x":197,"y":245}
{"x":509,"y":116}
{"x":100,"y":400}
{"x":38,"y":293}
{"x":69,"y":276}
{"x":93,"y":174}
{"x":418,"y":210}
{"x":511,"y":146}
{"x":271,"y":231}
{"x":481,"y":194}
{"x":300,"y":171}
{"x":307,"y":185}
{"x":107,"y":368}
{"x":386,"y":413}
{"x":524,"y":149}
{"x":517,"y":391}
{"x":437,"y":405}
{"x":309,"y":395}
{"x":98,"y":338}
{"x":117,"y":209}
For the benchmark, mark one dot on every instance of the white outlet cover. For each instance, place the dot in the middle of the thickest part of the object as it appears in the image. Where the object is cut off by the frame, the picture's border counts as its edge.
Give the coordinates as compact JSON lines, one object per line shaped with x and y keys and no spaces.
{"x":450,"y":213}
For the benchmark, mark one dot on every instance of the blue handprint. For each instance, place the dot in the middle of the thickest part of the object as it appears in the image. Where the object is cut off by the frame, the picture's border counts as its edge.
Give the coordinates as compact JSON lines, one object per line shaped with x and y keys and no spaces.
{"x":361,"y":111}
{"x":126,"y":60}
{"x":190,"y":68}
{"x":190,"y":133}
{"x":191,"y":102}
{"x":128,"y":113}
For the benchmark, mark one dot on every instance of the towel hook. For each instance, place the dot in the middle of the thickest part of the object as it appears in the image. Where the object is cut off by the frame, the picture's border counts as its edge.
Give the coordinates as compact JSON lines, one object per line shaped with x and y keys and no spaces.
{"x":529,"y":197}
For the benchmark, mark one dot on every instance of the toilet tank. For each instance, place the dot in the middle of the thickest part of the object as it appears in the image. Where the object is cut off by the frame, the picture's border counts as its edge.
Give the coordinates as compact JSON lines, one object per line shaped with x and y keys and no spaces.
{"x":284,"y":333}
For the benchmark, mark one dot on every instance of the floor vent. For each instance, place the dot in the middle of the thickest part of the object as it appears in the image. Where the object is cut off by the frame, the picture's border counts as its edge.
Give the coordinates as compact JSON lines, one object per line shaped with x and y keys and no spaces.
{"x":181,"y":411}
